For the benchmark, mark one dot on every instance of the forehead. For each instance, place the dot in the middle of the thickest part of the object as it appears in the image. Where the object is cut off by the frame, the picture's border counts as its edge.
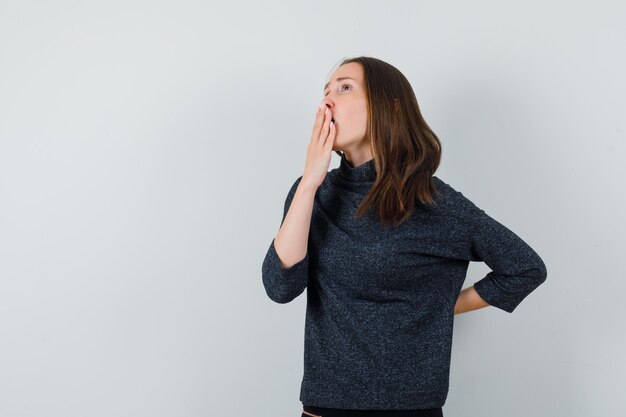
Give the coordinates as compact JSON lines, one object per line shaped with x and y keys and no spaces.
{"x":351,"y":70}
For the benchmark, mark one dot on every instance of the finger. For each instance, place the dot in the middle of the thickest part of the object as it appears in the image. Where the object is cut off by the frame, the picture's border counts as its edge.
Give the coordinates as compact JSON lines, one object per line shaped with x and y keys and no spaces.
{"x":331,"y":136}
{"x":319,"y":119}
{"x":325,"y":126}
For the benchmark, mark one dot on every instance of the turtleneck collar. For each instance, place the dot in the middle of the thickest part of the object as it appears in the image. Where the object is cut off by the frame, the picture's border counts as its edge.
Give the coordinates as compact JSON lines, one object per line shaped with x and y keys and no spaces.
{"x":362,"y":173}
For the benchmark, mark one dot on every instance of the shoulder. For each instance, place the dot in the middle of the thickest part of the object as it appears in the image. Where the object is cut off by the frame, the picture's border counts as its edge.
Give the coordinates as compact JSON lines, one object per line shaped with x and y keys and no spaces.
{"x":453,"y":200}
{"x":445,"y":191}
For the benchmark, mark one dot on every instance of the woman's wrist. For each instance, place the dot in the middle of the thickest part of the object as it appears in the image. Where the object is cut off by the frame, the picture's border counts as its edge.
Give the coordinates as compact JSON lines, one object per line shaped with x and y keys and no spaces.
{"x":469,"y":300}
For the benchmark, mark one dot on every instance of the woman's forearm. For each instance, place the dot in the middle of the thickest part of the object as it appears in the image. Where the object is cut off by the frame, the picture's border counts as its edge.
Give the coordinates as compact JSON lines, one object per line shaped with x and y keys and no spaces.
{"x":469,"y":300}
{"x":291,"y":241}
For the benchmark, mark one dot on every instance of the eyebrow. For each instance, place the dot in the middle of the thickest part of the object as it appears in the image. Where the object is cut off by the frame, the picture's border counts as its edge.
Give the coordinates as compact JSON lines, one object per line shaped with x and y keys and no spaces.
{"x":338,"y":79}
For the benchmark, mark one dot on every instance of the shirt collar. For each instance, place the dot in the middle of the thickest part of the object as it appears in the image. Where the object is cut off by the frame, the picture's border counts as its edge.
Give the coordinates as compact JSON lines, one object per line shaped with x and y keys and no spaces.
{"x":366,"y":172}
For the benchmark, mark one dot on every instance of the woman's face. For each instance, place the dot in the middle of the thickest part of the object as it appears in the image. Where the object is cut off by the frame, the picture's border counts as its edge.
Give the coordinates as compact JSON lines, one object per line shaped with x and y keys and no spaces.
{"x":347,"y":101}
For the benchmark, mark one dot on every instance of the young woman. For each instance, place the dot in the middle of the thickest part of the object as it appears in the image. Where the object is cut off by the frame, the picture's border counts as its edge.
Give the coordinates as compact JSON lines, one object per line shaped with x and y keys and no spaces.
{"x":382,"y":246}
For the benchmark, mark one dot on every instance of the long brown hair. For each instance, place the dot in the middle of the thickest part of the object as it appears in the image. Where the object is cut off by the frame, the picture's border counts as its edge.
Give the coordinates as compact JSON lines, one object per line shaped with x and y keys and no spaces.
{"x":406,"y":151}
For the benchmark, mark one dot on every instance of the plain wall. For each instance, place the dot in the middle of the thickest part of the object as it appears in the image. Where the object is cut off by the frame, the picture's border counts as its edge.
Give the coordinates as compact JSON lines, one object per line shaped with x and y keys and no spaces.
{"x":147,"y":147}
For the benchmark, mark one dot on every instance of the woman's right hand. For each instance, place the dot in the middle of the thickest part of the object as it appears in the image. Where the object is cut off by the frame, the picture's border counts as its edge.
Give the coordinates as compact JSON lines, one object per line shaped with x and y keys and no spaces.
{"x":319,"y":149}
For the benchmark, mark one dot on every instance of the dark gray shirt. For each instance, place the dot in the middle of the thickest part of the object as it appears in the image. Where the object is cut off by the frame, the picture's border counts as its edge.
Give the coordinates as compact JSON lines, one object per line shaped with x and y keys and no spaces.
{"x":380,"y":301}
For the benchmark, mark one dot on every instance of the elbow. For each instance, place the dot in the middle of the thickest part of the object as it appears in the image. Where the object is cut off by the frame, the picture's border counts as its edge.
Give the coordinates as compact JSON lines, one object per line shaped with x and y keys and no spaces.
{"x":281,"y":297}
{"x":541,"y":272}
{"x":278,"y":290}
{"x":281,"y":284}
{"x":533,"y":269}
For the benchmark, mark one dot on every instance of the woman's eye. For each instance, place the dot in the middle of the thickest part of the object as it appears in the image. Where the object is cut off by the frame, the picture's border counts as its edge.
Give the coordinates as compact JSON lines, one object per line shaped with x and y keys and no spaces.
{"x":345,"y":85}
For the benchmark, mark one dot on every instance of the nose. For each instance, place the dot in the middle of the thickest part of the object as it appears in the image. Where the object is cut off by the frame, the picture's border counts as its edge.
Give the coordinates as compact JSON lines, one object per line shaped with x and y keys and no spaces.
{"x":327,"y":103}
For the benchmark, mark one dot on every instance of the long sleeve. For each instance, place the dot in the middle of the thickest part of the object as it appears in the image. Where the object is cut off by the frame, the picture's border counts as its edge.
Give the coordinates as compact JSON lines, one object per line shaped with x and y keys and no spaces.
{"x":282,"y":285}
{"x":379,"y":312}
{"x":517,"y":270}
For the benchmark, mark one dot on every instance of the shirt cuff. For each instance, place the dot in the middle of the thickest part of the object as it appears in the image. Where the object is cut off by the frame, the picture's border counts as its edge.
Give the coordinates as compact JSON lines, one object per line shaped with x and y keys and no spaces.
{"x":284,"y":284}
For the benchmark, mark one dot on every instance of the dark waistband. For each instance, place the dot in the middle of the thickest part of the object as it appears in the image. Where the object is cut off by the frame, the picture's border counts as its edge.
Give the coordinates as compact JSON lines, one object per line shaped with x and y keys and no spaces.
{"x":340,"y":412}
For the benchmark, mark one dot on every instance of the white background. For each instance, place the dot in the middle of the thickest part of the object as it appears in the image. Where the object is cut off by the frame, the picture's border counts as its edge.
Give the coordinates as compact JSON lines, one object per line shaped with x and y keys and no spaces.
{"x":147,"y":147}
